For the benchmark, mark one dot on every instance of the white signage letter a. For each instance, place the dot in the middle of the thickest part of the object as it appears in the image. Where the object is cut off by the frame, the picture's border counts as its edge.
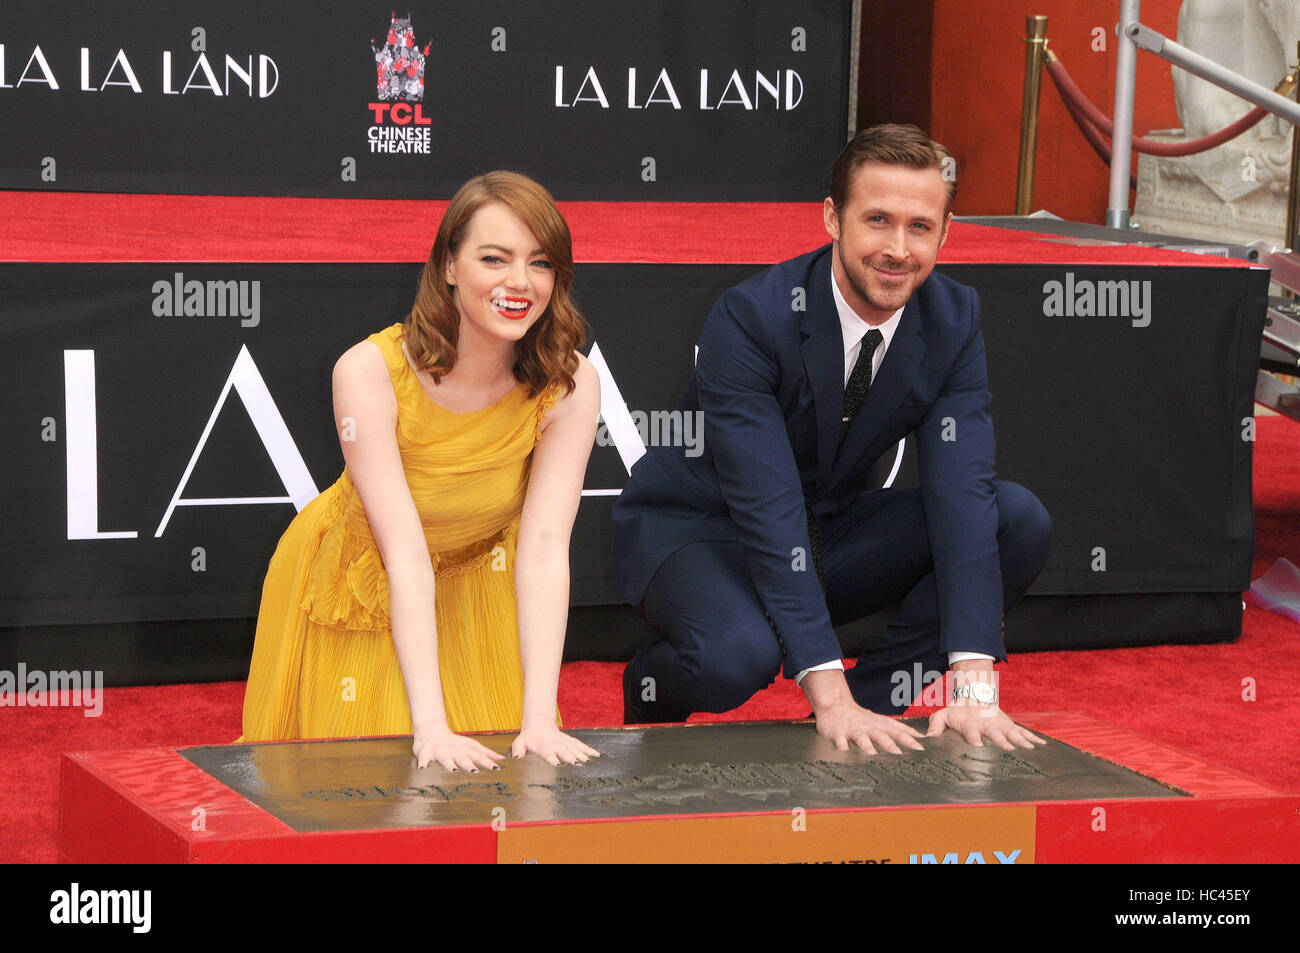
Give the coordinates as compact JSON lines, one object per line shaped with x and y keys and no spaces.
{"x":618,"y":420}
{"x":245,"y":378}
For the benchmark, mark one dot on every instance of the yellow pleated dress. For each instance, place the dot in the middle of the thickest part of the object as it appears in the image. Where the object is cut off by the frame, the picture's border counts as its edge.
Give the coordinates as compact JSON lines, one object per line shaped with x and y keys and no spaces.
{"x":324,"y":662}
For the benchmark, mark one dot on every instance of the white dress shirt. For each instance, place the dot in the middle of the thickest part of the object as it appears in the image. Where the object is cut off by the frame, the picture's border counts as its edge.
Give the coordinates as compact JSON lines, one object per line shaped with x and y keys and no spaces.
{"x":854,"y":330}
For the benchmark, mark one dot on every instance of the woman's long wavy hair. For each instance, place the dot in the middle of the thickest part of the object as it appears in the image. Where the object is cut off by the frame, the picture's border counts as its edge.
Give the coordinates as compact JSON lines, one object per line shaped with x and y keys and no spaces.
{"x":543,"y":356}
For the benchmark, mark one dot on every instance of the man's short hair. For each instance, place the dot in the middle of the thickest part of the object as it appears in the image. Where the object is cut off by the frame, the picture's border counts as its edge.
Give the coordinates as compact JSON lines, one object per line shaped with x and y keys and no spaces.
{"x":891,"y":144}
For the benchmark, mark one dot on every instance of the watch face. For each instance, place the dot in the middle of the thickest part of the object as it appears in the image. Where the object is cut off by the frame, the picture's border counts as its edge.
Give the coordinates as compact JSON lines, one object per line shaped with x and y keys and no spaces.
{"x":983,"y":693}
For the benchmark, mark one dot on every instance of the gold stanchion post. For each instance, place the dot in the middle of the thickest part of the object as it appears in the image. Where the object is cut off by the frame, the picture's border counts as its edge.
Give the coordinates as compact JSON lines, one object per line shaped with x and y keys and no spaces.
{"x":1036,"y":27}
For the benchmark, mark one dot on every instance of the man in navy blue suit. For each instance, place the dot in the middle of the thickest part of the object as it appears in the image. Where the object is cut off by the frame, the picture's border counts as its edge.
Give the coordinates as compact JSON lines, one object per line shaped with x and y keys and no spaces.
{"x":743,"y":557}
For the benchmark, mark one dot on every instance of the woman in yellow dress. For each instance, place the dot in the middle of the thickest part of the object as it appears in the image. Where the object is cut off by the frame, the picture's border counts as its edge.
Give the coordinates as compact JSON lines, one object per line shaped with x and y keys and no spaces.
{"x":426,"y":592}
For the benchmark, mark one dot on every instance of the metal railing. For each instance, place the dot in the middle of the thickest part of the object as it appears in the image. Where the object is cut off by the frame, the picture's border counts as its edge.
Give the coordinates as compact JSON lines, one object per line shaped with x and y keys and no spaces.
{"x":1134,"y":36}
{"x":1280,"y":347}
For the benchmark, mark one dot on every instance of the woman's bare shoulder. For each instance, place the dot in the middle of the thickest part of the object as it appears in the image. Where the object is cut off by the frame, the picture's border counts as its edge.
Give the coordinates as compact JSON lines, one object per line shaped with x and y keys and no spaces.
{"x":361,"y":365}
{"x":586,"y":378}
{"x":585,"y":396}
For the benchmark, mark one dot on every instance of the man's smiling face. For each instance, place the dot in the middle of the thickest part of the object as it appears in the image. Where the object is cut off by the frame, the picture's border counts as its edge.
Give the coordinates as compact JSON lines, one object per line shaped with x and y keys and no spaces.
{"x":887,"y":236}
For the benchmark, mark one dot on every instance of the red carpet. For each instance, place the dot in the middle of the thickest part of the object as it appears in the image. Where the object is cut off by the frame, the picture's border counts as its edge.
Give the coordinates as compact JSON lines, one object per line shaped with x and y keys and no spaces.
{"x":51,"y":226}
{"x":1187,"y":697}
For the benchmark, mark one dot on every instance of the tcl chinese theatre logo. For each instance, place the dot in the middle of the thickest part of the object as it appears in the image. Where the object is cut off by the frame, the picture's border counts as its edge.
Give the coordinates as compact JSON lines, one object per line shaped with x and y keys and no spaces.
{"x":399,"y":124}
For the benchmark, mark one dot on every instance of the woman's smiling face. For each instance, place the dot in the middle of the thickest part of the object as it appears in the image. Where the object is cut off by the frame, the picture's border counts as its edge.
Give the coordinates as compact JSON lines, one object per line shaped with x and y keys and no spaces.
{"x":501,"y":278}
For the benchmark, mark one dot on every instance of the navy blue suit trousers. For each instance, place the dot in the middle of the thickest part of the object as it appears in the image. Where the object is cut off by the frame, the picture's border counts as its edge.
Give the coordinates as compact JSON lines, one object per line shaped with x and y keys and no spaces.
{"x":718,"y":647}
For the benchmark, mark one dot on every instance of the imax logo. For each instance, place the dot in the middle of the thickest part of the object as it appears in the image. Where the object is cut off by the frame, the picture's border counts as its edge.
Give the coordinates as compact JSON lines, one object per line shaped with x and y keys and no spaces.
{"x":1085,"y":299}
{"x":954,"y":857}
{"x":208,"y":299}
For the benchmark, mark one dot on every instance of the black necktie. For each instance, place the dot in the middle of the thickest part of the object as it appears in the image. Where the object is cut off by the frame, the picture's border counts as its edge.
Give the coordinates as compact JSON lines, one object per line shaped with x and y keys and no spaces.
{"x":855,"y":391}
{"x":855,"y":394}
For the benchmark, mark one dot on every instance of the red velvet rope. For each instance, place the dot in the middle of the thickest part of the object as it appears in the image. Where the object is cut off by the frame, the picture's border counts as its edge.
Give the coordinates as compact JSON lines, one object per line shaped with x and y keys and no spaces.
{"x":1095,"y":139}
{"x":1086,"y":114}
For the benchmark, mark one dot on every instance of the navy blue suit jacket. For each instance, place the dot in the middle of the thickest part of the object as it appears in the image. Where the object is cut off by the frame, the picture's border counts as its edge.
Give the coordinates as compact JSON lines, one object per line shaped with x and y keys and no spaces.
{"x":769,"y":380}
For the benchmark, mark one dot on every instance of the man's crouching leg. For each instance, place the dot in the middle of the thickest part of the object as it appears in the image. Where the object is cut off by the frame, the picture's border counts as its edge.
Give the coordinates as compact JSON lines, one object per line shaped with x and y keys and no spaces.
{"x":890,"y":674}
{"x":716,"y":646}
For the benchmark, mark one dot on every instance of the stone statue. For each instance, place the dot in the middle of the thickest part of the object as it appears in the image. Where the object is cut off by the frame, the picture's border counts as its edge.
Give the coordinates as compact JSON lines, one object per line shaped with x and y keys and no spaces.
{"x":1236,"y":192}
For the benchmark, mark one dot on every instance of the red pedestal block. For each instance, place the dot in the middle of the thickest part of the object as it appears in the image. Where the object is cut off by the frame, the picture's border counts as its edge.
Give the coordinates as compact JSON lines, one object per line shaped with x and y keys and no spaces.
{"x":159,"y":806}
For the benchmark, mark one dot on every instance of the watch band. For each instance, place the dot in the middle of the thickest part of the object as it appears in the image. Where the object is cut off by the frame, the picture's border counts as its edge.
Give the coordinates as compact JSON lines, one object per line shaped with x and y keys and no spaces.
{"x":980,"y":692}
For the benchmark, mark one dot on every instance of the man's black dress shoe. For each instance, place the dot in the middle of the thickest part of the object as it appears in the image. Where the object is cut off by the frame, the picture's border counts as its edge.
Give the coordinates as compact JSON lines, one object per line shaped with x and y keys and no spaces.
{"x":633,"y":712}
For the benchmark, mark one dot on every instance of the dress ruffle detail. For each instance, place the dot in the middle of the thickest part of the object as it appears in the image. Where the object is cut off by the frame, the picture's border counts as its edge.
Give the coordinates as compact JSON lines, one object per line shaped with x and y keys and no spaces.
{"x":347,"y":587}
{"x":467,"y":559}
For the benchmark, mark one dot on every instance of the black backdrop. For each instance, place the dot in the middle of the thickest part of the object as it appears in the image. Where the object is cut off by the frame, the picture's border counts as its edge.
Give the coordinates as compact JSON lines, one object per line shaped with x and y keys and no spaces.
{"x":1131,"y":436}
{"x":732,"y":101}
